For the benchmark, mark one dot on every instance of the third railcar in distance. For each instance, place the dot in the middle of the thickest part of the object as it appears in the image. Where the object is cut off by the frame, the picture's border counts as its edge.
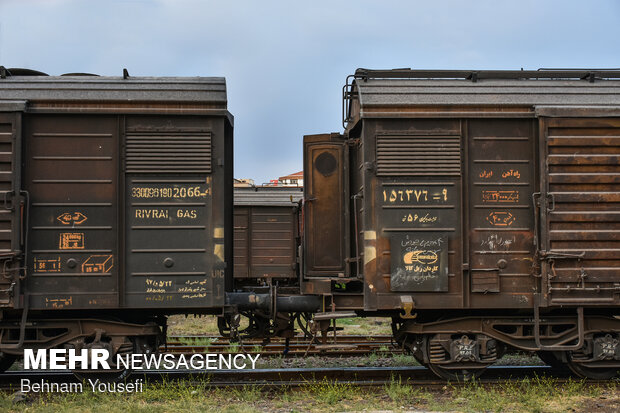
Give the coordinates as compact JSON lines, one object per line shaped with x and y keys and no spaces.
{"x":479,"y":209}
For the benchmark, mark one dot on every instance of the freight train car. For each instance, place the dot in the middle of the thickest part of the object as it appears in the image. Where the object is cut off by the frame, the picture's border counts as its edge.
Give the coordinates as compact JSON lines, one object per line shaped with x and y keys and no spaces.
{"x":266,"y":234}
{"x":266,"y":261}
{"x":478,"y":210}
{"x":483,"y":206}
{"x":116,"y":208}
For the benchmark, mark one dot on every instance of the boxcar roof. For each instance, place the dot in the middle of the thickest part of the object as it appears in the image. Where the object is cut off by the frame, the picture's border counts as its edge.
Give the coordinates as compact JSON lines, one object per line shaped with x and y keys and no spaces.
{"x":210,"y":90}
{"x":267,"y":196}
{"x":487,"y":92}
{"x":370,"y":90}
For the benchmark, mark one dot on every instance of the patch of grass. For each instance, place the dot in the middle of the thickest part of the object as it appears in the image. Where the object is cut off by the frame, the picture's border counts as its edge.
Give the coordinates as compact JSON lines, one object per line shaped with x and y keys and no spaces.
{"x":520,"y":359}
{"x":196,"y":341}
{"x":246,"y":393}
{"x":188,"y":397}
{"x":400,"y":393}
{"x":365,"y":326}
{"x":233,"y":348}
{"x":329,"y":392}
{"x":546,"y":395}
{"x":404,"y":360}
{"x":538,"y":394}
{"x":182,"y":325}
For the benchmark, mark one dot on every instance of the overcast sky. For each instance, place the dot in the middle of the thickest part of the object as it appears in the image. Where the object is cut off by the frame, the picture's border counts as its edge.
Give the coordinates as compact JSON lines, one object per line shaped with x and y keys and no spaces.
{"x":285,"y":62}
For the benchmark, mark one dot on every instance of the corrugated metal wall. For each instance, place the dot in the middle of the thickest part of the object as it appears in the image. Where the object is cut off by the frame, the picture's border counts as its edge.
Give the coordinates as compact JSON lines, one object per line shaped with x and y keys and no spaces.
{"x":583,"y":218}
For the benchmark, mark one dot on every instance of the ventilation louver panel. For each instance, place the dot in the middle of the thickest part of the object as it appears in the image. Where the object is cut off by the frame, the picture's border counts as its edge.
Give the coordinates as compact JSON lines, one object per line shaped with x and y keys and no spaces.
{"x":168,"y":152}
{"x":418,"y":155}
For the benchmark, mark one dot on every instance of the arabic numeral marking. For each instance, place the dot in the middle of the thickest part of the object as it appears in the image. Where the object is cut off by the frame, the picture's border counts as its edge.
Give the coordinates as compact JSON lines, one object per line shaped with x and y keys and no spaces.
{"x":194,"y":192}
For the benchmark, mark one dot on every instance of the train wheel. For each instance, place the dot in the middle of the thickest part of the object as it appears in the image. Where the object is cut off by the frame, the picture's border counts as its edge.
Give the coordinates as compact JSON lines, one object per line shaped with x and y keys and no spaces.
{"x":6,"y":361}
{"x":594,"y":373}
{"x":114,"y":375}
{"x":596,"y":361}
{"x":459,"y":371}
{"x":456,"y":374}
{"x":419,"y":359}
{"x":412,"y":344}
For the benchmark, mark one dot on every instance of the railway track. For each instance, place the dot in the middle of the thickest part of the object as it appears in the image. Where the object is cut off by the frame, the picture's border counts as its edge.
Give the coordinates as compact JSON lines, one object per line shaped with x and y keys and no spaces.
{"x":346,"y":345}
{"x":297,"y":377}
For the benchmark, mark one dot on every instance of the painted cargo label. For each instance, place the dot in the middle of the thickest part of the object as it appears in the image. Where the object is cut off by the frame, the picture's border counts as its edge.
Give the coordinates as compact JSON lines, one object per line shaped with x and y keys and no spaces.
{"x":419,"y":262}
{"x":174,"y":257}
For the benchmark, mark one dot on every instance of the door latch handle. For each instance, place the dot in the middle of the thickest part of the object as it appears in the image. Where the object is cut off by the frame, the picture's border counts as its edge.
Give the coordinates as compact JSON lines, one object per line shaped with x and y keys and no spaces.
{"x":551,"y":197}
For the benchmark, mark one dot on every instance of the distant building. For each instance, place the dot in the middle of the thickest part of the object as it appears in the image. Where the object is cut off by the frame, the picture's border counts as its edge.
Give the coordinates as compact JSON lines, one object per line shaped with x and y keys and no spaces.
{"x":296,"y":179}
{"x":243,"y":182}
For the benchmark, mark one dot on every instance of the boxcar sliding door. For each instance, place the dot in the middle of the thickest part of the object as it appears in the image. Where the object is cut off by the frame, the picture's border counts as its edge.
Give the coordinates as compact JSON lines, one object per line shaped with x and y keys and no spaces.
{"x":581,"y":210}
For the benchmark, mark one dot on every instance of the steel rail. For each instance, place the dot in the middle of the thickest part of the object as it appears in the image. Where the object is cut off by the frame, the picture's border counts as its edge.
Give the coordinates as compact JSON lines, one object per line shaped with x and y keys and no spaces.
{"x":298,"y":346}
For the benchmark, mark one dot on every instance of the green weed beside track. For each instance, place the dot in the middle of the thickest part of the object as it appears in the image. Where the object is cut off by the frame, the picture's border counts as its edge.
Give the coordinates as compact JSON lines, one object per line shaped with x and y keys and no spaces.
{"x":531,"y":395}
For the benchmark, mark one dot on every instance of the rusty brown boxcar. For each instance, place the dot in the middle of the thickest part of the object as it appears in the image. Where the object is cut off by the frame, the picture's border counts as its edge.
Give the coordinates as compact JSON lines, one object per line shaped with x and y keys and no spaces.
{"x":116,"y":196}
{"x":484,"y":205}
{"x":266,"y":233}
